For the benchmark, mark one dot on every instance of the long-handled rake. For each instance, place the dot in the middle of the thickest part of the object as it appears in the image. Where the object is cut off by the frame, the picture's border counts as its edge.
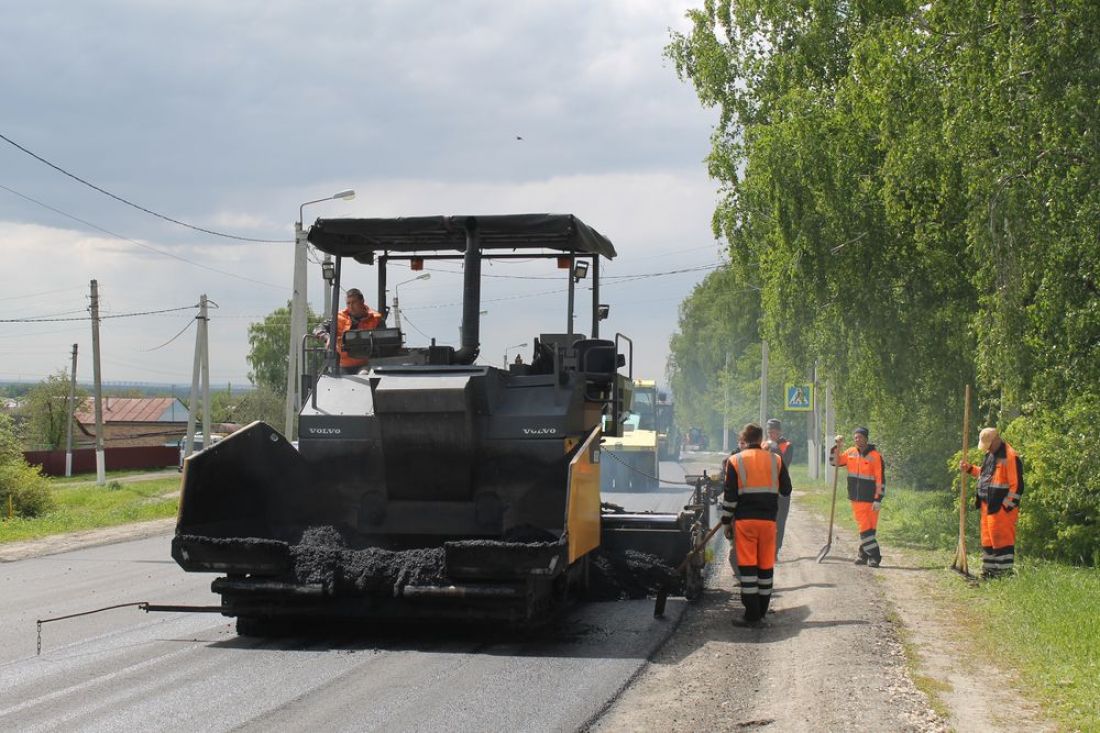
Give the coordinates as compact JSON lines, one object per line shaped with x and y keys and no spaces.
{"x":832,"y":511}
{"x":960,"y":564}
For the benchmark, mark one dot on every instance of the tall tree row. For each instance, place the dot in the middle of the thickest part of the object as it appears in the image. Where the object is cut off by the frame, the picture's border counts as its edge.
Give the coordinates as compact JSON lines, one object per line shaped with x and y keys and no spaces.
{"x":912,"y":190}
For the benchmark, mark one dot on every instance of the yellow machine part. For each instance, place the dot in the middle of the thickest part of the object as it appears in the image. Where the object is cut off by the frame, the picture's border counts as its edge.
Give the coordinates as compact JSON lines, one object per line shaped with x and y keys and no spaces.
{"x":582,"y":512}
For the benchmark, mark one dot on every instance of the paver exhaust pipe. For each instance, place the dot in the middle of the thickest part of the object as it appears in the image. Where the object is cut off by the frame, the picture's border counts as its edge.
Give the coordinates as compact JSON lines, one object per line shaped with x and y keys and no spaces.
{"x":471,"y":297}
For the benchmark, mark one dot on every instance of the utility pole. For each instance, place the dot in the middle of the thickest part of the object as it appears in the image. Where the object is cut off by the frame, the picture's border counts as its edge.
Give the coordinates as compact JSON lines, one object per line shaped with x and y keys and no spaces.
{"x":830,"y":427}
{"x":100,"y":459}
{"x":69,"y":424}
{"x":196,"y":369}
{"x":204,"y":320}
{"x":763,"y":382}
{"x":297,"y":327}
{"x":812,"y":430}
{"x":726,"y":407}
{"x":298,"y":315}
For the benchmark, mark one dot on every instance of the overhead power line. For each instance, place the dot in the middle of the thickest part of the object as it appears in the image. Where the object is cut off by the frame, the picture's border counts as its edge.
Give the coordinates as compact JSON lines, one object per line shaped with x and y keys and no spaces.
{"x":149,"y":247}
{"x":139,"y":207}
{"x":102,"y":318}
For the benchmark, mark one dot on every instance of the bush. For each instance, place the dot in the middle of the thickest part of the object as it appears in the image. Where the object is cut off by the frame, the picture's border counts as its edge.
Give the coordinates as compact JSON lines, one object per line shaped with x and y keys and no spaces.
{"x":1060,"y":511}
{"x":26,"y":488}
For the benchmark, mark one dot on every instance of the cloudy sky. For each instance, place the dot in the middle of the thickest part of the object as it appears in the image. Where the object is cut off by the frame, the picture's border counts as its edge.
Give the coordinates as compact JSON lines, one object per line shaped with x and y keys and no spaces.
{"x":229,"y":115}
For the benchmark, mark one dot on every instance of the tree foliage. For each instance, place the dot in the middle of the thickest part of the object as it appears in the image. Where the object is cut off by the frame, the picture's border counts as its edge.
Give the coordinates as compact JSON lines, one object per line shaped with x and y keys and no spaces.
{"x":913,"y":188}
{"x":45,"y":411}
{"x":268,"y":344}
{"x":26,"y":488}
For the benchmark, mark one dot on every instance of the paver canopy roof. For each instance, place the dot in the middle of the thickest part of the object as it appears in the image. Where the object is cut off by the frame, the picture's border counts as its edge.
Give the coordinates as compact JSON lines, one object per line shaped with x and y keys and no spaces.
{"x":358,"y":237}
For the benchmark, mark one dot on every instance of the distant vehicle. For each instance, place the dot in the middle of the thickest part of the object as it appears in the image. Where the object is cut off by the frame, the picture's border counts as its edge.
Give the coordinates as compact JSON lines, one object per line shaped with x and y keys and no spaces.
{"x":197,"y":444}
{"x":668,"y":435}
{"x":696,"y":439}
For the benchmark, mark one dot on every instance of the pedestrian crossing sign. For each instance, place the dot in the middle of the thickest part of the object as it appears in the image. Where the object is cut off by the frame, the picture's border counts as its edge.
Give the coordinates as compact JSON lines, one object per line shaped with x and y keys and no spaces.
{"x":800,"y":397}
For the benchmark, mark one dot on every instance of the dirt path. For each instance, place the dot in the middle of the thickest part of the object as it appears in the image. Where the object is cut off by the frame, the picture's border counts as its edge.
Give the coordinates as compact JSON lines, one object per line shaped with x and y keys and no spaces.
{"x":832,"y":657}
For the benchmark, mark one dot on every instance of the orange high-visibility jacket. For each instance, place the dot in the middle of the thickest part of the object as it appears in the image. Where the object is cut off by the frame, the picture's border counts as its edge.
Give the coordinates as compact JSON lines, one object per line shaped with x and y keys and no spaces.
{"x":783,"y":448}
{"x":754,"y":479}
{"x":1000,"y":478}
{"x":866,"y":473}
{"x":344,"y":322}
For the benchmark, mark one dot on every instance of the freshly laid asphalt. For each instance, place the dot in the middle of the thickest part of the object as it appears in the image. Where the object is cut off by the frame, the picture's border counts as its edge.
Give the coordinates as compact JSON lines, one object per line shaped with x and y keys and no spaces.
{"x":124,"y":669}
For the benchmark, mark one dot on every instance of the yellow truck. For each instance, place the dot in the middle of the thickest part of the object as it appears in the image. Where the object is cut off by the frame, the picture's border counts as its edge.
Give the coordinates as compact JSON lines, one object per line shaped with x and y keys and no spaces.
{"x":635,"y":457}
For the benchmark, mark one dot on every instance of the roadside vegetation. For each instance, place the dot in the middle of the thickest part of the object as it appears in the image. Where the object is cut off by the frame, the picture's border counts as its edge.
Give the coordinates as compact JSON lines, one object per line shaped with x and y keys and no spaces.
{"x":1043,"y":621}
{"x":78,"y":508}
{"x":909,"y":194}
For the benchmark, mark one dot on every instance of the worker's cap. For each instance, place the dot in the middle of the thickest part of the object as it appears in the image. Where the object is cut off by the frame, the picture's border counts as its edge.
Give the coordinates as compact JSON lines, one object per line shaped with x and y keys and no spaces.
{"x":773,"y":423}
{"x":986,"y":438}
{"x":862,"y":431}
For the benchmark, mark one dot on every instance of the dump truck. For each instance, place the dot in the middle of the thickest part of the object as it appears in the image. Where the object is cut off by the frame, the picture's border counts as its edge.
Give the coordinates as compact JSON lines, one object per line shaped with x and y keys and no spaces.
{"x":635,"y":455}
{"x":428,"y":485}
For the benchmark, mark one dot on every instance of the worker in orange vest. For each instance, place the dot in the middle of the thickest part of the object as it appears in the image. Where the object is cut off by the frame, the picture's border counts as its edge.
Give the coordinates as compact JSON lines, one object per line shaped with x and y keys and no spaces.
{"x":1000,"y":486}
{"x":754,"y":480}
{"x":866,"y":487}
{"x":777,"y":443}
{"x":733,"y":545}
{"x":356,"y":316}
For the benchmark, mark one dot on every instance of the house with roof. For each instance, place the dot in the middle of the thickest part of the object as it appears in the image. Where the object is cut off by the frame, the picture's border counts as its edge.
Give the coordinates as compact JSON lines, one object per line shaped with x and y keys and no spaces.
{"x":130,"y":422}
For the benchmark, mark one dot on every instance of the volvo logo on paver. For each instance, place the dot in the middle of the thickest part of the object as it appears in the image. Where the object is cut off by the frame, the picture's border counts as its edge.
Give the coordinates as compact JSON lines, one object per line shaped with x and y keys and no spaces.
{"x":540,"y":431}
{"x":324,"y":431}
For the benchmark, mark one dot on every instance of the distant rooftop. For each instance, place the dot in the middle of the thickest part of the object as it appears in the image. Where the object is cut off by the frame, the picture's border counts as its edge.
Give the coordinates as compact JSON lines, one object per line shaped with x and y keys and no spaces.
{"x":135,"y":409}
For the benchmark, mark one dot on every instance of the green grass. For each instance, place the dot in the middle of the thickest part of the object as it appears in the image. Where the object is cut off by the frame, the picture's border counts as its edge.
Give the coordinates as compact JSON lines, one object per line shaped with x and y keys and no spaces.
{"x":1044,"y":622}
{"x":90,"y":507}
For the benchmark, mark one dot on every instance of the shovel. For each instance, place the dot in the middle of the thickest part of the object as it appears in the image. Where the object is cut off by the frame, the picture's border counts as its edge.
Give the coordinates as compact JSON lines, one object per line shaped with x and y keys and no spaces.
{"x":832,"y":511}
{"x":662,"y":594}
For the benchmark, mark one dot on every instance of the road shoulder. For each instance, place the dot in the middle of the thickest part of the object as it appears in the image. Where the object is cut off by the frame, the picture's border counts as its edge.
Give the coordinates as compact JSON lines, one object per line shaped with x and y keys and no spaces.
{"x":55,"y":544}
{"x":849,"y":648}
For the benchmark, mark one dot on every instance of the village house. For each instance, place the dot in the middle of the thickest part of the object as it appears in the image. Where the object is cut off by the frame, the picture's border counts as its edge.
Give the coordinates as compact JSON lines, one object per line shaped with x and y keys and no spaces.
{"x":130,"y":422}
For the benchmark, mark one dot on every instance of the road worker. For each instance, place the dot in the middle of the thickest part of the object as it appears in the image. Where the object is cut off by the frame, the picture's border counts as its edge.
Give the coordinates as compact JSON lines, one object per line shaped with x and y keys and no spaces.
{"x":754,"y":480}
{"x":866,"y":487}
{"x":356,"y":316}
{"x":779,"y":445}
{"x":1000,"y":486}
{"x":733,"y":545}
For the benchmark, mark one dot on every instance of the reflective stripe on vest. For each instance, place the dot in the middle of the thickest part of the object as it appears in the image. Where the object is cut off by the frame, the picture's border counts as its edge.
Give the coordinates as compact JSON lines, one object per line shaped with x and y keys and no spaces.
{"x":865,"y":463}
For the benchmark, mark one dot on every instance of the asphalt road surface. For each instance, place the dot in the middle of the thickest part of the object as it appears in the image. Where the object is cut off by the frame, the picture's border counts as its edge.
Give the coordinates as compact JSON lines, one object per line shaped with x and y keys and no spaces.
{"x":124,"y":669}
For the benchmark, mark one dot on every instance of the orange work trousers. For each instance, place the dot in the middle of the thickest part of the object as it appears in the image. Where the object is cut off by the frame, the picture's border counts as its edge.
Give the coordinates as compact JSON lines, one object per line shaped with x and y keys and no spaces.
{"x":867,"y":520}
{"x":998,"y":540}
{"x":866,"y":517}
{"x":755,"y":543}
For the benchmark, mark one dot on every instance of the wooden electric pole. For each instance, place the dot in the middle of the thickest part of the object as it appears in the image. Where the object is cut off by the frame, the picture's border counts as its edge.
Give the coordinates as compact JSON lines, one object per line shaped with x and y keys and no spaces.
{"x":763,"y":382}
{"x":200,"y":369}
{"x":69,"y":424}
{"x":100,"y":459}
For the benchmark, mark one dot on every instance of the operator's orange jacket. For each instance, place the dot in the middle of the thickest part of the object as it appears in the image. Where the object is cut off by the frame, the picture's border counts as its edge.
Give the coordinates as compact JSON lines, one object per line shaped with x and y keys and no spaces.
{"x":1000,"y":479}
{"x":754,"y":480}
{"x":344,"y":322}
{"x":866,"y":473}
